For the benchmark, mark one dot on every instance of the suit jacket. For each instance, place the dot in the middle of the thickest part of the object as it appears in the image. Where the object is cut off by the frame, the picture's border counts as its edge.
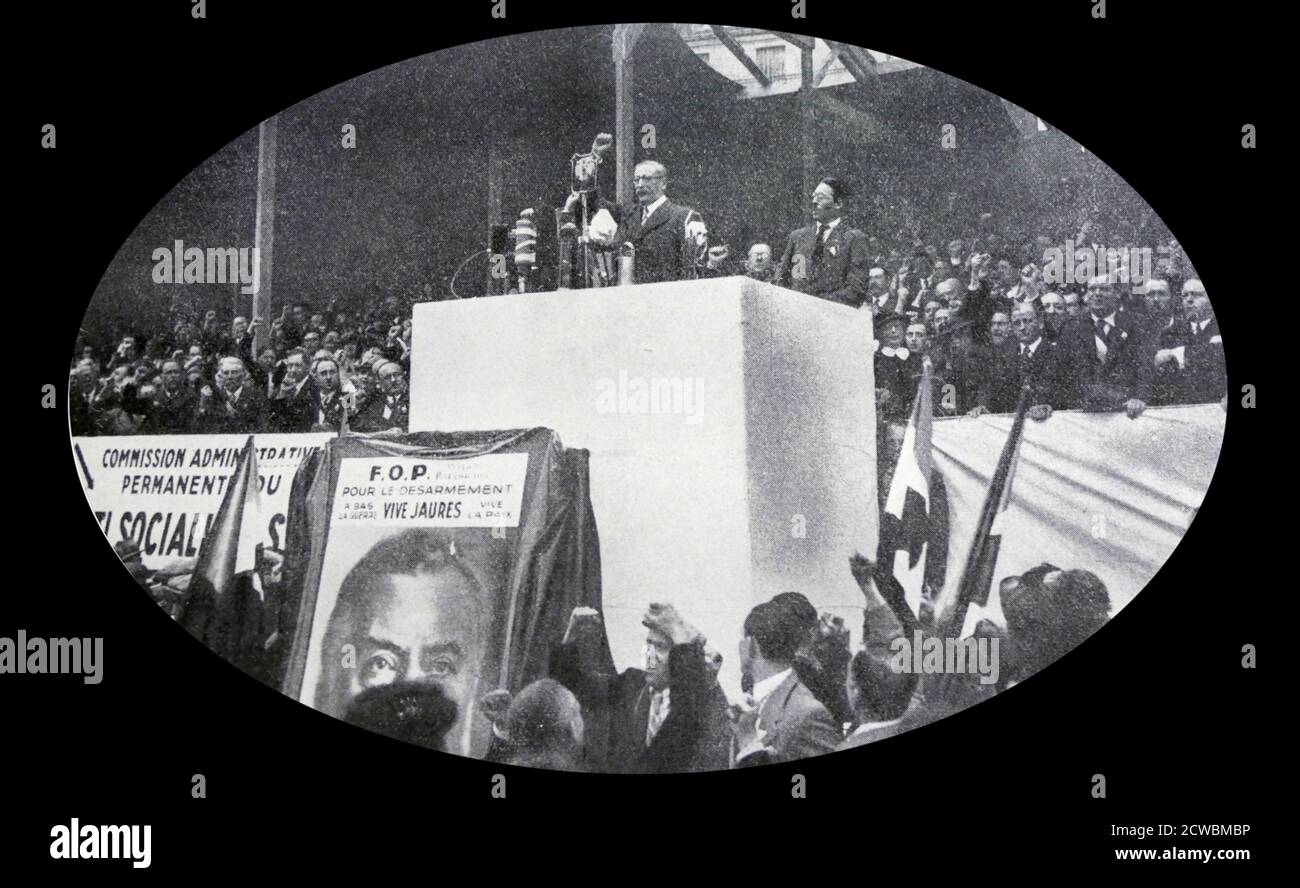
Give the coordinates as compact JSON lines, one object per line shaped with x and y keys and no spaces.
{"x":371,"y":417}
{"x":297,"y":411}
{"x":902,"y":379}
{"x":968,"y":374}
{"x":165,"y":414}
{"x":795,"y":725}
{"x":694,"y":736}
{"x":1010,"y":371}
{"x":838,"y":274}
{"x":1202,"y":377}
{"x":248,"y":415}
{"x":663,"y":250}
{"x":1091,"y":382}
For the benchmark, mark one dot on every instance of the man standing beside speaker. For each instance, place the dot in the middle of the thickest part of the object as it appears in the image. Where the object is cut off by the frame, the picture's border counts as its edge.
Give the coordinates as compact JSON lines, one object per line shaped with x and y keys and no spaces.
{"x":827,"y":259}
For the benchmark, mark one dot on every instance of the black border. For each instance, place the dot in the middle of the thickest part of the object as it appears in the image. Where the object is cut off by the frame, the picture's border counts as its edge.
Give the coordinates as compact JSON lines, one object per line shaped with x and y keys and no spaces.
{"x":1157,"y":701}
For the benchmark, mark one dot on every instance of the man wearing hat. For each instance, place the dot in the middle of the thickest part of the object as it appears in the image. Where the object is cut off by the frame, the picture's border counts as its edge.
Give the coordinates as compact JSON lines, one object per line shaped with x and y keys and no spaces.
{"x":1106,"y":361}
{"x":892,"y":401}
{"x":827,"y":259}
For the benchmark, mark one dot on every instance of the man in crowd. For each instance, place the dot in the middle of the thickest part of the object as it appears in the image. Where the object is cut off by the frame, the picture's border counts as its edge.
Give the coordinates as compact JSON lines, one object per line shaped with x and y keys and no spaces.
{"x":786,"y":721}
{"x":669,"y":716}
{"x":1106,"y":363}
{"x":894,"y":391}
{"x":827,"y":259}
{"x":758,"y":263}
{"x":545,"y":726}
{"x":328,"y":406}
{"x":391,"y":408}
{"x":880,"y":696}
{"x":1054,"y":316}
{"x":294,"y":407}
{"x":170,"y":409}
{"x":823,"y":655}
{"x":1031,"y":361}
{"x":235,"y":406}
{"x":1189,"y":362}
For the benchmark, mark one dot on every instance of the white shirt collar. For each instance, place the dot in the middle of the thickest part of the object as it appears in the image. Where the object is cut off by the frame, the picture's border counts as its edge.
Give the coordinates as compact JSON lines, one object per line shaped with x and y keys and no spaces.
{"x":1031,"y":347}
{"x":648,"y":211}
{"x":1109,"y":319}
{"x":765,"y":688}
{"x":824,"y":227}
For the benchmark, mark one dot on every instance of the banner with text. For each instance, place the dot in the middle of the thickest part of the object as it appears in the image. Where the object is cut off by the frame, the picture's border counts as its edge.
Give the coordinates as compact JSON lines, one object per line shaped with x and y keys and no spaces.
{"x":163,"y":491}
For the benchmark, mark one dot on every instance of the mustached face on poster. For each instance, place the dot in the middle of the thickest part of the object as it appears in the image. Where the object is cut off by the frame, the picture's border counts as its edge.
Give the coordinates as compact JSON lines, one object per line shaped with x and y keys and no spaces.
{"x":428,"y":583}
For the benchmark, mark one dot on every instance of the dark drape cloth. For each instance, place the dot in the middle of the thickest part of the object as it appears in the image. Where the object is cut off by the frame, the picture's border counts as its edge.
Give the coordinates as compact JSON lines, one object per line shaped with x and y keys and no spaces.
{"x":551,"y":566}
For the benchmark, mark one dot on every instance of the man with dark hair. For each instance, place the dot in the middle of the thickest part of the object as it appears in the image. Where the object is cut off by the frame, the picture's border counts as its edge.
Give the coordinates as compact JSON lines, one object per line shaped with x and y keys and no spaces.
{"x":1032,"y":361}
{"x":670,"y":716}
{"x":823,"y":656}
{"x":294,"y":405}
{"x":880,"y":697}
{"x":327,"y":404}
{"x":415,"y":615}
{"x":827,"y":259}
{"x":786,"y":722}
{"x":545,"y":726}
{"x":1050,"y":612}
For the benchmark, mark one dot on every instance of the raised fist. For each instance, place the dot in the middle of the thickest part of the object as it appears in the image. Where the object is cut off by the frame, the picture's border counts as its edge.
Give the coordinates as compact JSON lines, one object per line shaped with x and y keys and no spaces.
{"x":664,"y":618}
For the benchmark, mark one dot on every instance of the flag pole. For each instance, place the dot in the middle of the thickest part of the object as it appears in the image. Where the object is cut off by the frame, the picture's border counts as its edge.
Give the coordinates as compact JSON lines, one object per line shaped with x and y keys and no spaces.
{"x":978,"y":572}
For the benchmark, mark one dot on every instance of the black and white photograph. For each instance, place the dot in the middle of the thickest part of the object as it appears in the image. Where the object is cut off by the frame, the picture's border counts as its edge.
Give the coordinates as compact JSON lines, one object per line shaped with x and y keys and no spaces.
{"x":564,"y":410}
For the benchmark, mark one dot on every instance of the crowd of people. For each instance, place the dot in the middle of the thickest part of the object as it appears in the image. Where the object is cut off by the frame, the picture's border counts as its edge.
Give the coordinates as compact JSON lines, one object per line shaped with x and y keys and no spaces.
{"x":985,"y":318}
{"x":322,"y":370}
{"x":987,"y":322}
{"x":806,"y":692}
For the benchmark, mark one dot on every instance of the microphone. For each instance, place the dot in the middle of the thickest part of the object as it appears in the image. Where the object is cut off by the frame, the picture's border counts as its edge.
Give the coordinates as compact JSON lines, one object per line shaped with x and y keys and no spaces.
{"x":525,"y":235}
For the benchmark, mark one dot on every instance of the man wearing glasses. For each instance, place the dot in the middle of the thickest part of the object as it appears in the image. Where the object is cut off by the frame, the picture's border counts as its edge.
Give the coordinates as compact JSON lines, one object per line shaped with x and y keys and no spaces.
{"x":670,"y":240}
{"x":827,"y":259}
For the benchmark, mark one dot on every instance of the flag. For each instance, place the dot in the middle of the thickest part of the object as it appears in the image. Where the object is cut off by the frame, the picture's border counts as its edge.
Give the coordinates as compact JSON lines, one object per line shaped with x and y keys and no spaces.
{"x":913,"y":549}
{"x":229,"y":548}
{"x":977,"y":576}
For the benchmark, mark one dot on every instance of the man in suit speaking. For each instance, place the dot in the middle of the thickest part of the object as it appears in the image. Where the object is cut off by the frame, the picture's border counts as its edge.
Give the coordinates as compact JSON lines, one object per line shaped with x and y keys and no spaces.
{"x":670,"y":240}
{"x":827,"y":259}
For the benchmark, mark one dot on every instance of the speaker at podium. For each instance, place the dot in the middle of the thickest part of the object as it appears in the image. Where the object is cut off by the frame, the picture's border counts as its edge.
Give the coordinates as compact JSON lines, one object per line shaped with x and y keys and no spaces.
{"x":731,"y":426}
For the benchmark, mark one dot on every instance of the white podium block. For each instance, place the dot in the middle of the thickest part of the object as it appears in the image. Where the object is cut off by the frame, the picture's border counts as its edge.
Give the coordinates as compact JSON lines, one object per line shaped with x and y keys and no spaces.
{"x":731,"y":426}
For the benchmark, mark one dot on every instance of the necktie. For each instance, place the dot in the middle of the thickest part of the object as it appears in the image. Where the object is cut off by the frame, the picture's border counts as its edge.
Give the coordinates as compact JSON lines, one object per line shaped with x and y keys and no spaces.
{"x":657,"y":716}
{"x":819,"y":244}
{"x":1103,"y":329}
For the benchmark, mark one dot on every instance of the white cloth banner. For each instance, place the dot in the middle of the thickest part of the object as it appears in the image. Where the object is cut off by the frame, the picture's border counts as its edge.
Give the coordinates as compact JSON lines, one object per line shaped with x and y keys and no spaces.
{"x":1098,"y":492}
{"x":164,"y":490}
